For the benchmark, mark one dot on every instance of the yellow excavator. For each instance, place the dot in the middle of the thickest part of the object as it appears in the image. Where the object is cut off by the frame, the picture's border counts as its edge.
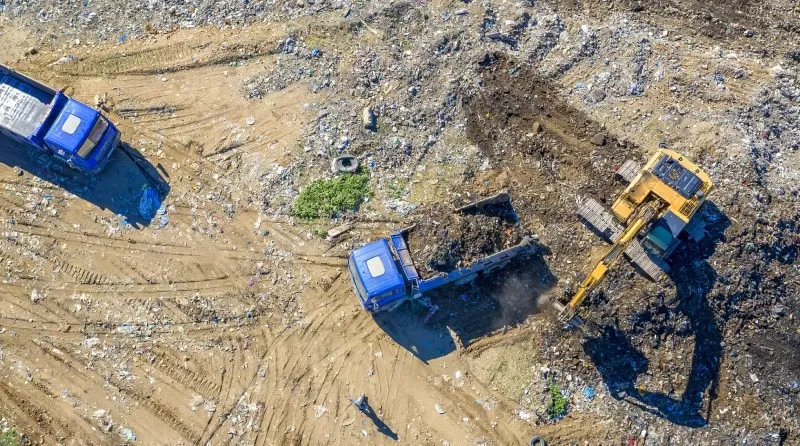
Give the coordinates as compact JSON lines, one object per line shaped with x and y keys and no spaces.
{"x":658,"y":209}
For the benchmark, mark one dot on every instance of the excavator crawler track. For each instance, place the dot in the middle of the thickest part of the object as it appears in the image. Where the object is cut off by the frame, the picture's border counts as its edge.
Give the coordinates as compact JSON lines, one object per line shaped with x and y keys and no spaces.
{"x":628,"y":170}
{"x":652,"y":266}
{"x":599,"y":219}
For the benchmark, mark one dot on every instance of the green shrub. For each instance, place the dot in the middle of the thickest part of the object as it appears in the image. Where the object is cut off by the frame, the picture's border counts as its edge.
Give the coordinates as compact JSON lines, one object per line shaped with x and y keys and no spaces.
{"x":323,"y":198}
{"x":9,"y":438}
{"x":557,"y":405}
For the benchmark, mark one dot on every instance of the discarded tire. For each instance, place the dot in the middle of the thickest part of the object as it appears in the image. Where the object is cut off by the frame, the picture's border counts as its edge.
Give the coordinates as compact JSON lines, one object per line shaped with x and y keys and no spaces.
{"x":538,"y":441}
{"x":345,"y":164}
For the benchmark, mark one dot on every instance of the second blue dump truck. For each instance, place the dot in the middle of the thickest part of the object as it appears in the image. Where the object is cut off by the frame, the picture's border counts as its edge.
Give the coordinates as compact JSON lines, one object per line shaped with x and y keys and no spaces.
{"x":39,"y":116}
{"x":384,"y":275}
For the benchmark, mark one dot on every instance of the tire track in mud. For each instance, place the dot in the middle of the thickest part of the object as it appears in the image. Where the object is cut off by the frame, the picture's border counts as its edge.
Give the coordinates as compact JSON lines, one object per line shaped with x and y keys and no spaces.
{"x":308,"y":334}
{"x":25,"y":329}
{"x":87,"y":280}
{"x":230,"y":394}
{"x":317,"y":381}
{"x":164,"y":413}
{"x":160,"y":362}
{"x":181,"y":56}
{"x":185,"y":376}
{"x":80,"y":275}
{"x":147,"y":397}
{"x":104,"y":241}
{"x":49,"y":419}
{"x":277,"y":379}
{"x":295,"y":368}
{"x":13,"y":401}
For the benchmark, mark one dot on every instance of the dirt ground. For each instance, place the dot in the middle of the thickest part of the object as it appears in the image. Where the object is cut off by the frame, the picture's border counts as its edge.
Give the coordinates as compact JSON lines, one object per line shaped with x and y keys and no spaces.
{"x":224,"y":320}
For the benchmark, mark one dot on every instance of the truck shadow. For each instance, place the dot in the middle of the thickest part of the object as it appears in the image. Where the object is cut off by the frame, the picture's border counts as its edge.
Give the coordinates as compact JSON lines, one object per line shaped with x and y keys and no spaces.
{"x":118,"y":188}
{"x":467,"y":313}
{"x":620,"y":362}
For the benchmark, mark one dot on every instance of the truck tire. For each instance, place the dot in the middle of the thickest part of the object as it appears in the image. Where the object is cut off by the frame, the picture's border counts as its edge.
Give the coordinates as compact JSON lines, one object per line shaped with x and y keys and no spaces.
{"x":345,"y":164}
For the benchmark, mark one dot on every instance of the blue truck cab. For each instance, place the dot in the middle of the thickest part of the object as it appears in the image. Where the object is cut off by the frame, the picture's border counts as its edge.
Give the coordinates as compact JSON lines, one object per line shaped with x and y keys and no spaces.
{"x":384,"y":276}
{"x":376,"y":278}
{"x":35,"y":114}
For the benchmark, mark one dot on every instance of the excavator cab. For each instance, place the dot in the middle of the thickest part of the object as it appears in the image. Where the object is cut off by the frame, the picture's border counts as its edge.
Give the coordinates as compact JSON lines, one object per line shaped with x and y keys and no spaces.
{"x":658,"y":240}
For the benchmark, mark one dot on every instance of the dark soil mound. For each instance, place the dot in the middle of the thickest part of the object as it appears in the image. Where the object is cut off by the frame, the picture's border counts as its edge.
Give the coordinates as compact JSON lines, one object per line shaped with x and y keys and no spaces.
{"x":443,"y":240}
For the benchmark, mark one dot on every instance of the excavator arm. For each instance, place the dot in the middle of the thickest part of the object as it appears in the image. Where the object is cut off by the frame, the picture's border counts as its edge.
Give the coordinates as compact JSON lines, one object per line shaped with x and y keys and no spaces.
{"x":641,"y":218}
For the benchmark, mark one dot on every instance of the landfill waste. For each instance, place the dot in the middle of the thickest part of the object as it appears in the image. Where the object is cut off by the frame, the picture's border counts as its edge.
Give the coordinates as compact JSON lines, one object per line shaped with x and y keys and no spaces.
{"x":161,"y":214}
{"x":65,"y":60}
{"x":443,"y":240}
{"x":149,"y":203}
{"x":127,"y":434}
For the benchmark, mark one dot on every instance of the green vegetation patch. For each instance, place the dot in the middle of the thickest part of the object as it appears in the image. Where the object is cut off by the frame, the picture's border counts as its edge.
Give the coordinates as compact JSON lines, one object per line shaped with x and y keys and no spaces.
{"x":557,"y":403}
{"x":9,"y":438}
{"x":324,"y":198}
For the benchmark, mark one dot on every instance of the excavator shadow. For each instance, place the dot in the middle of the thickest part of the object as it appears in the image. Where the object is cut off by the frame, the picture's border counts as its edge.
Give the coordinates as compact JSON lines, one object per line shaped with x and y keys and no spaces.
{"x":118,"y":188}
{"x":620,"y":362}
{"x":491,"y":303}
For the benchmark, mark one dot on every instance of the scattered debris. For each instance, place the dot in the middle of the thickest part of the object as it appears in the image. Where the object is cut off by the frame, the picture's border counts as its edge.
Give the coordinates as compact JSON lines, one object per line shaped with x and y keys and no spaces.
{"x":127,"y":434}
{"x":368,"y":118}
{"x":338,"y":231}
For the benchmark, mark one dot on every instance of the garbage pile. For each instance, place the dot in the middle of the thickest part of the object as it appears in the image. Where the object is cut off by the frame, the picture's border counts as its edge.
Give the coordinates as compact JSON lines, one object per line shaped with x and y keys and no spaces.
{"x":443,"y":240}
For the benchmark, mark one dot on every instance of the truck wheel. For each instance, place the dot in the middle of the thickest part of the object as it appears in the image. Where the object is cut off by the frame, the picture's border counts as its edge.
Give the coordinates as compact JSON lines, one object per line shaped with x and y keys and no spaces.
{"x":45,"y":159}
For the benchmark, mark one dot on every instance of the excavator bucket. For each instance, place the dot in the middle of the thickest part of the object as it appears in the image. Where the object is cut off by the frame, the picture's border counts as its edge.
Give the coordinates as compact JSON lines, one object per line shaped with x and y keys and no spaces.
{"x":596,"y":216}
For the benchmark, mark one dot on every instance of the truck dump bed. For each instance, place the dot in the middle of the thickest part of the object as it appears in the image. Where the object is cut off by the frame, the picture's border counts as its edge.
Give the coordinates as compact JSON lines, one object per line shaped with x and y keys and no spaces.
{"x":24,"y":103}
{"x":444,"y":240}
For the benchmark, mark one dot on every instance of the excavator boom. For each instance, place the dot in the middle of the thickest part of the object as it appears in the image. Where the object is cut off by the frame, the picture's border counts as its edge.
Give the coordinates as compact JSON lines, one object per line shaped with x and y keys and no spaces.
{"x":646,"y":213}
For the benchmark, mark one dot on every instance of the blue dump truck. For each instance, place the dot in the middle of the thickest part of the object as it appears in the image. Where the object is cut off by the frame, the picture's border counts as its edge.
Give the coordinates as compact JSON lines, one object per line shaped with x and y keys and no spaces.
{"x":33,"y":113}
{"x":384,"y":275}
